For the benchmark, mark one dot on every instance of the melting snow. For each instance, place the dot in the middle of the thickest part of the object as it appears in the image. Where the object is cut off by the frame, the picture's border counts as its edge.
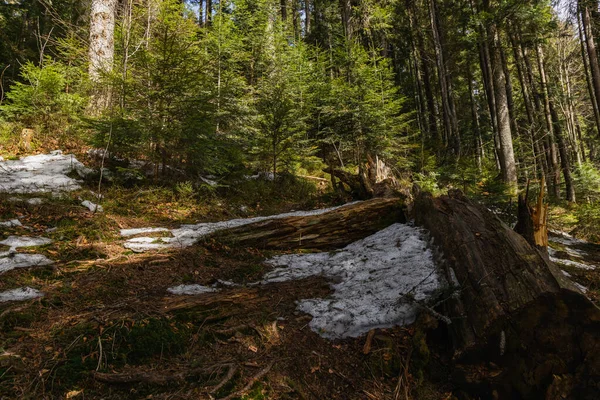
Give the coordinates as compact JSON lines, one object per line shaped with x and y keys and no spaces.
{"x":569,"y":242}
{"x":12,"y":223}
{"x":25,"y":241}
{"x":92,"y":206}
{"x":369,"y":278}
{"x":40,"y":173}
{"x":581,"y":287}
{"x":138,"y":231}
{"x":190,"y":289}
{"x":25,"y":293}
{"x":571,"y":263}
{"x":187,"y":235}
{"x":9,"y":261}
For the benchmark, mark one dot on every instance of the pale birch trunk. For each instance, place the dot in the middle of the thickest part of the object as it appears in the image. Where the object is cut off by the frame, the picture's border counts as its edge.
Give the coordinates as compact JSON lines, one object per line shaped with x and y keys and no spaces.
{"x":101,"y":50}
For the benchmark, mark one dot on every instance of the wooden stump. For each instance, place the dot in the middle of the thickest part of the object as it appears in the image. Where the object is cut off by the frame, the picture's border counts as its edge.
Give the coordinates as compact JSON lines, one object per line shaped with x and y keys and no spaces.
{"x":26,"y":139}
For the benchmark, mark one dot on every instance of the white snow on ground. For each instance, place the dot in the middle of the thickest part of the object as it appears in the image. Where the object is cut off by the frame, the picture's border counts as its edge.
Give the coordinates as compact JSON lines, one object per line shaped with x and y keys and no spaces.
{"x":139,"y":231}
{"x":92,"y":206}
{"x":11,"y":259}
{"x":11,"y":224}
{"x":25,"y":293}
{"x":187,"y":235}
{"x":40,"y":173}
{"x":190,"y":289}
{"x":16,"y":260}
{"x":571,"y":263}
{"x":370,"y":277}
{"x":581,"y":287}
{"x":25,"y":241}
{"x":568,"y":242}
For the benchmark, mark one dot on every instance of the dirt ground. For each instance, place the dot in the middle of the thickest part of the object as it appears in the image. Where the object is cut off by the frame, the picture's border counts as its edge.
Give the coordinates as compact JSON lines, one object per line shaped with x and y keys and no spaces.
{"x":107,"y":328}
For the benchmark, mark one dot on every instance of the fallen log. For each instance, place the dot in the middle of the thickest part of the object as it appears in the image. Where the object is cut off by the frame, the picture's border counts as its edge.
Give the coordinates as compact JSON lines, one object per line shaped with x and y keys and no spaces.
{"x":519,"y":328}
{"x":332,"y":230}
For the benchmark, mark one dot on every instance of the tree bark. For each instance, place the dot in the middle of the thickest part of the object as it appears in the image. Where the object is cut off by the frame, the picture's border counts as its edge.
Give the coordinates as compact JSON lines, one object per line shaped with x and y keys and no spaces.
{"x":586,"y":71}
{"x":101,"y":50}
{"x":479,"y":153}
{"x":509,"y":167}
{"x":564,"y":155}
{"x":516,"y":320}
{"x":549,"y":125}
{"x":307,"y":16}
{"x":591,"y":50}
{"x":329,"y":231}
{"x":442,"y":74}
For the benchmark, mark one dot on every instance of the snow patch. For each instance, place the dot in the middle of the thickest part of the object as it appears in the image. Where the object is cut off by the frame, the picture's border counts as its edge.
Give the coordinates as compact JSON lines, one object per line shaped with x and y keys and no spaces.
{"x":571,"y":263}
{"x":12,"y":223}
{"x":376,"y":281}
{"x":35,"y":201}
{"x":568,"y":242}
{"x":582,"y":288}
{"x":187,"y":235}
{"x":41,"y":173}
{"x":190,"y":289}
{"x":10,"y":261}
{"x":92,"y":206}
{"x":25,"y":241}
{"x":139,"y":231}
{"x":20,"y":294}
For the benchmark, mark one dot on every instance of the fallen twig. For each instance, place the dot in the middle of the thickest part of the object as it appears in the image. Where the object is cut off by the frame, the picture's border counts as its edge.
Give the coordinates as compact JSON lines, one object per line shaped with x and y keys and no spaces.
{"x":250,"y":383}
{"x":230,"y":374}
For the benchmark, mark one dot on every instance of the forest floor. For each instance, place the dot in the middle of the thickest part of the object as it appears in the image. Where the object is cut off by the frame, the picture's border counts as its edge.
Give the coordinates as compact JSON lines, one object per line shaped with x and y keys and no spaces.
{"x":107,"y":328}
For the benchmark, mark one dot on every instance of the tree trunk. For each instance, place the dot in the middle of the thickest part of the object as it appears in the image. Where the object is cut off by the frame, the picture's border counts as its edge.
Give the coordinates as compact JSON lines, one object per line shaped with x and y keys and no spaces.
{"x":591,"y":50}
{"x":209,"y":10}
{"x":548,"y":117}
{"x":283,"y":6}
{"x":518,"y":325}
{"x":475,"y":119}
{"x":564,"y":156}
{"x":586,"y":71}
{"x":509,"y":167}
{"x":329,"y":231}
{"x":307,"y":16}
{"x":432,"y":111}
{"x":442,"y":74}
{"x":101,"y":50}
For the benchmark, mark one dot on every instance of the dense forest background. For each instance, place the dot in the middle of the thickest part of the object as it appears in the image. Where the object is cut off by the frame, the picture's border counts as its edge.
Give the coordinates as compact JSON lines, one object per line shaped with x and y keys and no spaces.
{"x":483,"y":95}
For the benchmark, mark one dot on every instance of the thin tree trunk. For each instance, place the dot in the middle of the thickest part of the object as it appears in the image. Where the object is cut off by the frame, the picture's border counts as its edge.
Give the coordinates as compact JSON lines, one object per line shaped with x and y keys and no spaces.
{"x":591,"y":50}
{"x":475,"y":119}
{"x":283,"y":5}
{"x":564,"y":157}
{"x":101,"y":50}
{"x":432,"y":110}
{"x":549,"y":125}
{"x":208,"y":16}
{"x":509,"y":167}
{"x":307,"y":16}
{"x":443,"y":78}
{"x":586,"y":71}
{"x":526,"y":100}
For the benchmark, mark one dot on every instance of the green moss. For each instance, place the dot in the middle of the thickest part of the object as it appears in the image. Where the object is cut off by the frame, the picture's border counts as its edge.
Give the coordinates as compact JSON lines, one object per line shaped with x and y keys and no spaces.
{"x":155,"y":337}
{"x":420,"y":354}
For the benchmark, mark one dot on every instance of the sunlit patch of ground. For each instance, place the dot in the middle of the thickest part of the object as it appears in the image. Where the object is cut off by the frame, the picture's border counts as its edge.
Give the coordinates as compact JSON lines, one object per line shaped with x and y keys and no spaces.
{"x":107,"y":310}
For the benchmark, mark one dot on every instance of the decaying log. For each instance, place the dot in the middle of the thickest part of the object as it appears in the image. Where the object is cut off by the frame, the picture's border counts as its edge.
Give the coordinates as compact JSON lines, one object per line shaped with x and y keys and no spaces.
{"x":517,"y":322}
{"x":374,"y":179}
{"x":332,"y":230}
{"x":532,"y":221}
